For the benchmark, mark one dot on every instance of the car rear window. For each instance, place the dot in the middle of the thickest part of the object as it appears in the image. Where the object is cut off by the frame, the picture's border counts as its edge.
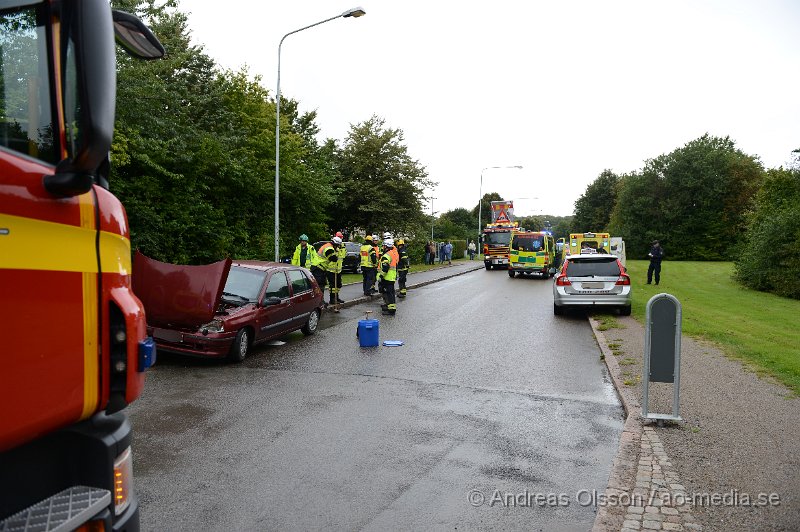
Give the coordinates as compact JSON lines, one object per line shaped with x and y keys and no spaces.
{"x":587,"y":268}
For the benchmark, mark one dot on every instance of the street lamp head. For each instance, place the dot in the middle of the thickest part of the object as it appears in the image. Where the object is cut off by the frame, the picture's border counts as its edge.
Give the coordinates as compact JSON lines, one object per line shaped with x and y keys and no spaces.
{"x":354,"y":12}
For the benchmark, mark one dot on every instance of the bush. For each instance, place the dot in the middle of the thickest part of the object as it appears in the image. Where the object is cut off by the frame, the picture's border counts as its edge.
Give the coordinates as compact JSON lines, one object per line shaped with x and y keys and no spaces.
{"x":770,"y":259}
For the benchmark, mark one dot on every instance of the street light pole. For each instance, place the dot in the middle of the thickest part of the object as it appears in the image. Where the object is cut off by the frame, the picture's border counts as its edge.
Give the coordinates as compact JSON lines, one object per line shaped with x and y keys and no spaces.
{"x":355,"y":13}
{"x":432,"y":217}
{"x":480,"y":193}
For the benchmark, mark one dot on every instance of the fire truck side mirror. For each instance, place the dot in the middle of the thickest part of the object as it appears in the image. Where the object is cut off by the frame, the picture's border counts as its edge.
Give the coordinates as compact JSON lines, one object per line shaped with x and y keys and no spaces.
{"x":135,"y":37}
{"x":89,"y":28}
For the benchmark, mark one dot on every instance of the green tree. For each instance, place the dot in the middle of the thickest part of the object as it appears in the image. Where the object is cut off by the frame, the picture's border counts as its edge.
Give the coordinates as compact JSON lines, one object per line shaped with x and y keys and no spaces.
{"x":693,"y":199}
{"x":769,"y":260}
{"x":460,"y":224}
{"x":193,"y":155}
{"x":380,"y":186}
{"x":593,"y":208}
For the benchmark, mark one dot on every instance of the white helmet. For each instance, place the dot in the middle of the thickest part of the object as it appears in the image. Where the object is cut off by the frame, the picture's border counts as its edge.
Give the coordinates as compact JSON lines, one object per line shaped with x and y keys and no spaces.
{"x":336,"y":240}
{"x":386,"y":235}
{"x":389,"y":242}
{"x":375,"y":239}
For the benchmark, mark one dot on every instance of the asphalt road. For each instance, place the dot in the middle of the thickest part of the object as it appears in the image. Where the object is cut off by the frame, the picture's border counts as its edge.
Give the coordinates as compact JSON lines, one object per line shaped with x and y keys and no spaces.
{"x":494,"y":414}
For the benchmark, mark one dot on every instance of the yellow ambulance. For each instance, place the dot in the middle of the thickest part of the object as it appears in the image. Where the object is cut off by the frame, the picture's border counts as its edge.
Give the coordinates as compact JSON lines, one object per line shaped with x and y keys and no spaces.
{"x":531,"y":252}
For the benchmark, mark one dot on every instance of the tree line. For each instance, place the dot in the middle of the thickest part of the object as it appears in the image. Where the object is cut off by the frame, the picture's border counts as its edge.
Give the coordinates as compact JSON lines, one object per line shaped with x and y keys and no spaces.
{"x":706,"y":200}
{"x":193,"y":160}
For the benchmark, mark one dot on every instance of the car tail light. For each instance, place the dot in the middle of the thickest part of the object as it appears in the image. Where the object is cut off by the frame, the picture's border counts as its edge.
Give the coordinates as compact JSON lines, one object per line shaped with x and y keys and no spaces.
{"x":623,"y":280}
{"x":123,"y":481}
{"x":562,"y":280}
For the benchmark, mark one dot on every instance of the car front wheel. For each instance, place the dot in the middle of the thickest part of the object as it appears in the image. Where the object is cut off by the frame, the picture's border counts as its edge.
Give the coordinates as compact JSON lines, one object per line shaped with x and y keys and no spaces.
{"x":311,"y":325}
{"x":240,"y":346}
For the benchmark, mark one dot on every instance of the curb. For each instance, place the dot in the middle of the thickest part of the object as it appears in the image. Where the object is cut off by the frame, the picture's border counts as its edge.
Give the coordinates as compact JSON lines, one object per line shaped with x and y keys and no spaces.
{"x":647,"y":490}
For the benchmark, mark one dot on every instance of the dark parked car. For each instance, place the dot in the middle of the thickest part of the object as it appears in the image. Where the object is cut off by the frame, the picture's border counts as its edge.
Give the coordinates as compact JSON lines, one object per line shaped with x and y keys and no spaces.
{"x":223,"y":309}
{"x":352,"y":261}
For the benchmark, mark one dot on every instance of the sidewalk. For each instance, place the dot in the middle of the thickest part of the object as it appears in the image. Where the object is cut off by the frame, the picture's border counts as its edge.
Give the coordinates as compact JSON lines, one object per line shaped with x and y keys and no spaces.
{"x":723,"y":468}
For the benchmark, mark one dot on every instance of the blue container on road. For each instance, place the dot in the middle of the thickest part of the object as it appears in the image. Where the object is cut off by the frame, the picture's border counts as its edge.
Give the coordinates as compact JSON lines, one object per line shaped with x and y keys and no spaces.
{"x":368,"y":333}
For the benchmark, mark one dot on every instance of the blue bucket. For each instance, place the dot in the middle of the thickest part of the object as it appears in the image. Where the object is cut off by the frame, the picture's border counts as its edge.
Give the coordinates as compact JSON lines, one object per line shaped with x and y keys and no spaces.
{"x":368,"y":333}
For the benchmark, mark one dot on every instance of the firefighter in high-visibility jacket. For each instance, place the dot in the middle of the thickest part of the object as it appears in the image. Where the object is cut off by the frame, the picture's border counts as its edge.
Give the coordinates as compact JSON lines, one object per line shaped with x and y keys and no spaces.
{"x":304,"y":253}
{"x":403,"y":264}
{"x":388,"y":275}
{"x":331,"y":256}
{"x":369,"y":265}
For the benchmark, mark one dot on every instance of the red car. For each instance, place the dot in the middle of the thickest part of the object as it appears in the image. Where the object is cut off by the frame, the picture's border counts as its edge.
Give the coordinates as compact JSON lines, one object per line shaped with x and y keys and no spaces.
{"x":223,"y":309}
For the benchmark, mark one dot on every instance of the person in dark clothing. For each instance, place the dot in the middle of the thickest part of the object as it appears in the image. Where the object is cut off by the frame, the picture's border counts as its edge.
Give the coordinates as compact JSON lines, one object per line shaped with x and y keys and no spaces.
{"x":656,"y":255}
{"x":402,"y":268}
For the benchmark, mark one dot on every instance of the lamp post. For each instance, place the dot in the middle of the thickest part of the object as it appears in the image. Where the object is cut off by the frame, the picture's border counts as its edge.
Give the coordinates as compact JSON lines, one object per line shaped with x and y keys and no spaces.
{"x":480,"y":193}
{"x":355,"y":13}
{"x":432,"y":213}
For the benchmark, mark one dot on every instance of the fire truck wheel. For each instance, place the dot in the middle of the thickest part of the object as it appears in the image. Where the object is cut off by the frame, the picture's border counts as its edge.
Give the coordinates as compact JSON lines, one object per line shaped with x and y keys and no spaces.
{"x":240,"y":346}
{"x":511,"y":273}
{"x":487,"y":265}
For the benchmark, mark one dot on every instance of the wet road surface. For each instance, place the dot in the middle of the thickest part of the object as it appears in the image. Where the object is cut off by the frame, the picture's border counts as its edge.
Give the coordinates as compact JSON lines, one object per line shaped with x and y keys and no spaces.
{"x":494,"y":415}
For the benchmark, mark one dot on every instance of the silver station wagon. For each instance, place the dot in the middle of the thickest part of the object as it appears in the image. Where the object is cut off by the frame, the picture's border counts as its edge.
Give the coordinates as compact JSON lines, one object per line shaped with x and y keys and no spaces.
{"x":591,"y":281}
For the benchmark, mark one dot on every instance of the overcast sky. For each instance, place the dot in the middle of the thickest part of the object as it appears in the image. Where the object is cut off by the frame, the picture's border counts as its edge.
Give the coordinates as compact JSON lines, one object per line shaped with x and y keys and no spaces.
{"x":564,"y":88}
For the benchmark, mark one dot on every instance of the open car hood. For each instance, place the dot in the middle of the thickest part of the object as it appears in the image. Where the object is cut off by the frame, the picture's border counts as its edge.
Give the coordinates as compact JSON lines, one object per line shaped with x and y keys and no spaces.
{"x":177,"y":296}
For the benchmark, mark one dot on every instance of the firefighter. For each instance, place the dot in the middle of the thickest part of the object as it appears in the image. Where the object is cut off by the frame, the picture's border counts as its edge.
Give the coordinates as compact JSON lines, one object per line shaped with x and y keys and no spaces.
{"x":369,"y":265}
{"x":331,"y":255}
{"x":375,"y":246}
{"x":403,"y":264}
{"x":388,"y":275}
{"x":304,"y":253}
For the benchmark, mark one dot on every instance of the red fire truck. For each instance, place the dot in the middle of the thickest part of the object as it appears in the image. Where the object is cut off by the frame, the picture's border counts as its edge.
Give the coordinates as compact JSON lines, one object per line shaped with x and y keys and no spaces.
{"x":74,"y":350}
{"x":496,"y":235}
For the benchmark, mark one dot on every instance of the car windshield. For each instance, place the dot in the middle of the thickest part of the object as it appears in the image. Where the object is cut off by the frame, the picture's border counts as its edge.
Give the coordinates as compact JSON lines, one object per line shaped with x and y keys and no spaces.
{"x":497,"y":239}
{"x":528,"y":243}
{"x":243,"y":284}
{"x":592,"y":268}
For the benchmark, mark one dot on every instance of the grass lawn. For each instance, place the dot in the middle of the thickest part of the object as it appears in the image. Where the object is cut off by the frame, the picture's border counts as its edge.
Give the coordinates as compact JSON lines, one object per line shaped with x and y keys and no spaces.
{"x":758,"y":328}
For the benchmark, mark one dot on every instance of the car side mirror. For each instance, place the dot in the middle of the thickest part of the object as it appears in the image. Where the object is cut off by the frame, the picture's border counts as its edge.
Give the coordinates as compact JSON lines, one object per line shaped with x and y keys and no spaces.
{"x":273,"y":300}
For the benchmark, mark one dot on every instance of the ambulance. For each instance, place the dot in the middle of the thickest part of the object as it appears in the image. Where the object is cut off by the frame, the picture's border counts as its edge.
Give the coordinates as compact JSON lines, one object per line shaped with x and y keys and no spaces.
{"x":587,"y":243}
{"x":531,"y":252}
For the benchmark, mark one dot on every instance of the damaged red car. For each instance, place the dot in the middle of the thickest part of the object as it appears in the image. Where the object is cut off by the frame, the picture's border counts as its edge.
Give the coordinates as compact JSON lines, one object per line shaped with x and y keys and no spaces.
{"x":223,"y":309}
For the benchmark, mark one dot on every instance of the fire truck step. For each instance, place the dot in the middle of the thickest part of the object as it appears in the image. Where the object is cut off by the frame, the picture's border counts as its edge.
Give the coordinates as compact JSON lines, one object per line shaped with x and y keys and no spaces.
{"x":66,"y":510}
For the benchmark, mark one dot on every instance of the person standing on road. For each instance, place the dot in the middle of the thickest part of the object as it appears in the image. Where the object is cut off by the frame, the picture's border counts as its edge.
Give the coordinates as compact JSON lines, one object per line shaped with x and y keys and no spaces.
{"x":388,"y":274}
{"x":427,"y":252}
{"x":471,"y":249}
{"x":431,"y":253}
{"x":369,"y":265}
{"x":332,"y":257}
{"x":656,"y":255}
{"x":304,"y":253}
{"x":403,"y":265}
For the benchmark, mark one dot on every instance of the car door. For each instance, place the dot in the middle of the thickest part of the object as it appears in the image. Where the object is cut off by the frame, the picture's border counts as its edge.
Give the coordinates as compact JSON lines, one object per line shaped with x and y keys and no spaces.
{"x":303,"y":299}
{"x":276,"y":319}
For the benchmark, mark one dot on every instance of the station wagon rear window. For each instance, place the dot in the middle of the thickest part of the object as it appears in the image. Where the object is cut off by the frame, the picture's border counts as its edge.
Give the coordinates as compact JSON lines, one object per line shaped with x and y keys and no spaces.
{"x":588,"y":268}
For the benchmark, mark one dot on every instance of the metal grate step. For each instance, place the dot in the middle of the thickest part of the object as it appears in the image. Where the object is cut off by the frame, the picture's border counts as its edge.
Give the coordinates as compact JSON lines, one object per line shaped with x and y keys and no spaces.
{"x":64,"y":511}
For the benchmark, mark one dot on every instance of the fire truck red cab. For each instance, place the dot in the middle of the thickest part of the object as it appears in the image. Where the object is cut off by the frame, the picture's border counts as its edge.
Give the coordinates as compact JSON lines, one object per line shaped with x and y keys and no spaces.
{"x":75,"y":347}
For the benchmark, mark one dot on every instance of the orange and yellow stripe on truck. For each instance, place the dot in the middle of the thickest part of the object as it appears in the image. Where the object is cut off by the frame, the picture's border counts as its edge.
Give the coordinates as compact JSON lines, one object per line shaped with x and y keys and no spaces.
{"x":64,"y":263}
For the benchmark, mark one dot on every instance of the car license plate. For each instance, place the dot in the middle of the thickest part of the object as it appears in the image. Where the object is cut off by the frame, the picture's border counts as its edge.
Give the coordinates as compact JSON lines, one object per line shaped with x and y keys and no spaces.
{"x":167,"y":335}
{"x":589,"y":285}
